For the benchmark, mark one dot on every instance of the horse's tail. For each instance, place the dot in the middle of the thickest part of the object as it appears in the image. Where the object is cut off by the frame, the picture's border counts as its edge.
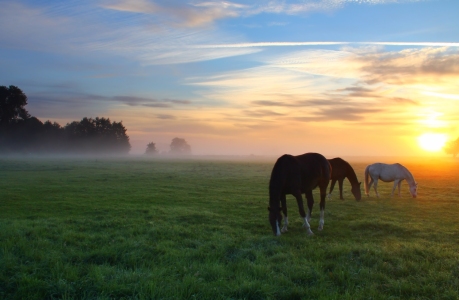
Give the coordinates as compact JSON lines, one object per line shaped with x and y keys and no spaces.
{"x":367,"y":180}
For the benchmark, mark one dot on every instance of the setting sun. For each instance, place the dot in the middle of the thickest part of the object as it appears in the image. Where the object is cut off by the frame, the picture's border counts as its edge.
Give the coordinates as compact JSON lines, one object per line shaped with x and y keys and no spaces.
{"x":432,"y":141}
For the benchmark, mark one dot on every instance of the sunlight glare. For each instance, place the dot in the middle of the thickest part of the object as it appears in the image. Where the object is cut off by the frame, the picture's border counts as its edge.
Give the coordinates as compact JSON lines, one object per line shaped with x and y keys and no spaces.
{"x":432,"y":141}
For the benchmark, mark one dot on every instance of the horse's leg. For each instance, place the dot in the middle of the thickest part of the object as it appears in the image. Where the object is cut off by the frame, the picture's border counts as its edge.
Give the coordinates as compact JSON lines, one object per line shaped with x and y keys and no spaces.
{"x":332,"y":185}
{"x":369,"y":185}
{"x":340,"y":182}
{"x":375,"y":185}
{"x":399,"y":184}
{"x":310,"y":200}
{"x":396,"y":182}
{"x":322,"y":206}
{"x":299,"y":200}
{"x":284,"y":210}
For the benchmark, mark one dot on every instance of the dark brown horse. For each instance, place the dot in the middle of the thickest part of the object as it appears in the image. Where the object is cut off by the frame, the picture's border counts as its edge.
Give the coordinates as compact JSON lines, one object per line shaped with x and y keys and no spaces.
{"x":340,"y":170}
{"x":296,"y":175}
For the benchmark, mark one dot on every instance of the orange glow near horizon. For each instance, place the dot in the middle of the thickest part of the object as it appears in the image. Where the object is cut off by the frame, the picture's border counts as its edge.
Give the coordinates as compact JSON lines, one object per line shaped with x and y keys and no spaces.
{"x":432,"y":142}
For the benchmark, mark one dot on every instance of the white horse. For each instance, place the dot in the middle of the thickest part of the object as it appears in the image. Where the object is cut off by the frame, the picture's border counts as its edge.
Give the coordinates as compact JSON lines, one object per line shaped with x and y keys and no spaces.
{"x":389,"y":173}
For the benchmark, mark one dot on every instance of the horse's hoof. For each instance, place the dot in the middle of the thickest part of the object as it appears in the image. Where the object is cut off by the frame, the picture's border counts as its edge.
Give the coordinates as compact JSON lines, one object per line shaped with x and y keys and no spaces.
{"x":309,"y":232}
{"x":320,"y":228}
{"x":284,"y":230}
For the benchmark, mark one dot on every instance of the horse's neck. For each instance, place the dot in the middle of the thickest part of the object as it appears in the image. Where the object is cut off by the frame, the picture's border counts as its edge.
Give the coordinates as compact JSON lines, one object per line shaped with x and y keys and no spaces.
{"x":352,"y":176}
{"x":408,"y":176}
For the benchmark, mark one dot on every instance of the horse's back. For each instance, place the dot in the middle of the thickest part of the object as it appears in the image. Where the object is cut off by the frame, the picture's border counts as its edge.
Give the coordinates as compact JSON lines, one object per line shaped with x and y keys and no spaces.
{"x":315,"y":168}
{"x":387,"y":172}
{"x":286,"y":174}
{"x":339,"y":167}
{"x":314,"y":161}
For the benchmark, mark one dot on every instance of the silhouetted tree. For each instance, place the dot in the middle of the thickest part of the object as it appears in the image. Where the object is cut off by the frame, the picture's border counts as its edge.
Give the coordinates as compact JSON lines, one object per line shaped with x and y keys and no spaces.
{"x":12,"y":102}
{"x":53,"y":138}
{"x":452,"y":147}
{"x":180,"y":146}
{"x":97,"y":135}
{"x":151,"y":149}
{"x":20,"y":135}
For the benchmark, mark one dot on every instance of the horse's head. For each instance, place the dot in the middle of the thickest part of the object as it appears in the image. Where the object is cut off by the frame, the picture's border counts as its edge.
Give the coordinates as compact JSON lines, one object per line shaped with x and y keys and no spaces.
{"x":414,"y":189}
{"x":275,"y":219}
{"x":356,"y":192}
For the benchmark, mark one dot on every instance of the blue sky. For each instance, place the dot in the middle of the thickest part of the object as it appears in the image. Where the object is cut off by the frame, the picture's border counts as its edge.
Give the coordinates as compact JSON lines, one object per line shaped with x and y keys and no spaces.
{"x":340,"y":77}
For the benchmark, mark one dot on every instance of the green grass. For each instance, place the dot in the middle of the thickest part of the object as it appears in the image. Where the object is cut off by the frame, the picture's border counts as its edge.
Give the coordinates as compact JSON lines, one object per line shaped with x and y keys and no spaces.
{"x":196,"y":229}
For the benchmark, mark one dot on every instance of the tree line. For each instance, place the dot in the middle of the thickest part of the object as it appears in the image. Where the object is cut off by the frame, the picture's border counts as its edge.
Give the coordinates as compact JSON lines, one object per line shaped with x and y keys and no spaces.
{"x":22,"y":133}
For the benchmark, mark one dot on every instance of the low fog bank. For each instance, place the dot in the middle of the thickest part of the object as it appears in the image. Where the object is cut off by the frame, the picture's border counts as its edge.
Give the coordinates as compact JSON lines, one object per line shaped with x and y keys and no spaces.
{"x":217,"y":157}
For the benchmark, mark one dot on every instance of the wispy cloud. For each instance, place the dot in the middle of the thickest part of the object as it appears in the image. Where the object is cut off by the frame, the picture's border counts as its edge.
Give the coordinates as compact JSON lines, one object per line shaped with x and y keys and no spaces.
{"x":360,"y":92}
{"x":149,"y":102}
{"x":308,"y":6}
{"x":327,"y":43}
{"x":344,"y":113}
{"x":205,"y":13}
{"x":411,"y":66}
{"x":69,"y":102}
{"x":442,"y":95}
{"x":179,"y":14}
{"x":165,"y":117}
{"x":262,"y":113}
{"x":405,"y":101}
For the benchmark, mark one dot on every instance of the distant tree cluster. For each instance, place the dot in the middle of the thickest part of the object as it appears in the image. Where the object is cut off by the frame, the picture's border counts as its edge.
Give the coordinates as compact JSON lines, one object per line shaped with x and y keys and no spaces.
{"x":452,"y":147}
{"x":178,"y":147}
{"x":22,"y":133}
{"x":151,"y":149}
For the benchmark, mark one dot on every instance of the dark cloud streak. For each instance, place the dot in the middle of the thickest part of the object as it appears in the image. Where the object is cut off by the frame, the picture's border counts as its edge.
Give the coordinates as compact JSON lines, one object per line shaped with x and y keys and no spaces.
{"x":410,"y":67}
{"x":339,"y":114}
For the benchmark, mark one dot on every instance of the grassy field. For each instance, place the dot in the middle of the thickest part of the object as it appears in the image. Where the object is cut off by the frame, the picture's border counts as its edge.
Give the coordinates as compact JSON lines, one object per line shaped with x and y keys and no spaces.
{"x":198,"y":229}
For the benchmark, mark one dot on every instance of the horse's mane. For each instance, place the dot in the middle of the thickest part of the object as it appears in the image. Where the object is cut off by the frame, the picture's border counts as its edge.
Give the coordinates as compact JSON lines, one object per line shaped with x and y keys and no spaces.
{"x":351,"y":174}
{"x":410,"y":177}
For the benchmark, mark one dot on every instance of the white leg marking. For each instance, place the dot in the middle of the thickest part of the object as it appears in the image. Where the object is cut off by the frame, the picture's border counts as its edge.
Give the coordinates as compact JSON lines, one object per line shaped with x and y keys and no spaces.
{"x":284,"y":228}
{"x":329,"y":196}
{"x":308,"y":228}
{"x":322,"y":221}
{"x":277,"y":231}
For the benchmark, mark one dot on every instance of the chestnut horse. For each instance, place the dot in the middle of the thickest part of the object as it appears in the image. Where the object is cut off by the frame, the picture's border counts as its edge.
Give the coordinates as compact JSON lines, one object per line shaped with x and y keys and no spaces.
{"x":296,"y":175}
{"x":340,"y":170}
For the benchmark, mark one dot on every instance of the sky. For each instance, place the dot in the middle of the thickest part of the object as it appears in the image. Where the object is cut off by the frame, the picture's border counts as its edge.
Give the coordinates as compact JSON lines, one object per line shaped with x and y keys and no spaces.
{"x":248,"y":77}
